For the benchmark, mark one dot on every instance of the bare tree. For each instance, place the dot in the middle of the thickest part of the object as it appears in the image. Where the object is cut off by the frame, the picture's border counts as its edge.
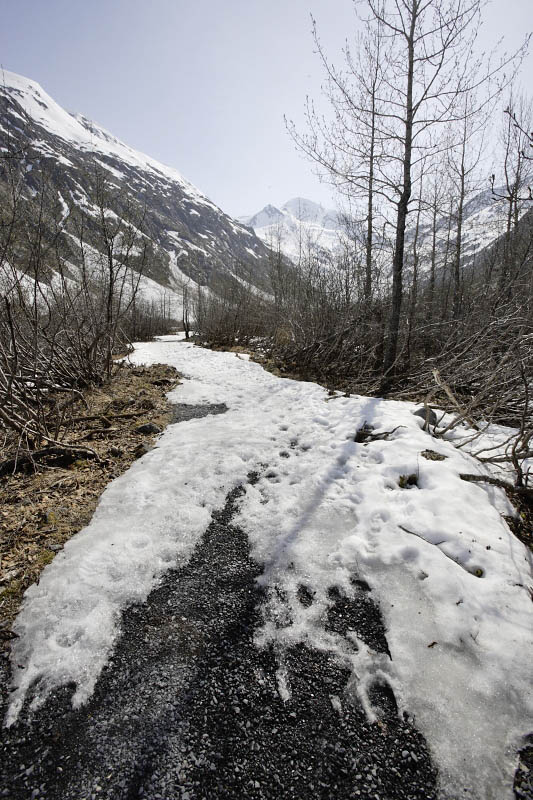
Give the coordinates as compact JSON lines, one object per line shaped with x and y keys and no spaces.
{"x":350,"y":149}
{"x":416,"y":73}
{"x":66,"y":304}
{"x":463,"y":157}
{"x":517,"y":172}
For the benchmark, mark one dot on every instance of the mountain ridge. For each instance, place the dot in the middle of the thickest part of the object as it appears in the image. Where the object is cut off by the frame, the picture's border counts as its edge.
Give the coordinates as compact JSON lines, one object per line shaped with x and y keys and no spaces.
{"x":193,"y":241}
{"x":301,"y":226}
{"x":299,"y":223}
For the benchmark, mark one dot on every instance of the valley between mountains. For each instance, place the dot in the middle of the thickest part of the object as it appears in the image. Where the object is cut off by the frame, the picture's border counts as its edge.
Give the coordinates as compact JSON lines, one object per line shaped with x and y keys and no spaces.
{"x":309,"y":570}
{"x":292,"y":595}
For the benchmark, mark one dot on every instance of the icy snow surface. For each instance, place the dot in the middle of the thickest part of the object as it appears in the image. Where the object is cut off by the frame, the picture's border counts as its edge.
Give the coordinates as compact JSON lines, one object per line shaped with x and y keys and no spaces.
{"x":325,"y":509}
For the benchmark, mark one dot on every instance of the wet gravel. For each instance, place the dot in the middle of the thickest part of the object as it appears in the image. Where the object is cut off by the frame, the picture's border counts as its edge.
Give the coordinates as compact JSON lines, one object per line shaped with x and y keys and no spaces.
{"x":181,"y":412}
{"x":188,"y":708}
{"x":523,"y":783}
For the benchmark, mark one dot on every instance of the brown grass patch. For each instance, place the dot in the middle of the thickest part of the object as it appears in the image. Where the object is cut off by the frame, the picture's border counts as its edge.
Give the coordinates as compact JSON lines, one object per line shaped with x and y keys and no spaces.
{"x":43,"y":505}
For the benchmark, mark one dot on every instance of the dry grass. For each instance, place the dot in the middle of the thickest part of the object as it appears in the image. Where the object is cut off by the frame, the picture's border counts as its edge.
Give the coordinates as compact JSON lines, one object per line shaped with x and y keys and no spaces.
{"x":40,"y":509}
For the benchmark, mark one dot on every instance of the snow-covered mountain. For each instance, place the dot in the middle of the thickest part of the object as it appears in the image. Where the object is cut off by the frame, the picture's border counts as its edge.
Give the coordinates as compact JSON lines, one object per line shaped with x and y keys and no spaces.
{"x":484,"y":223}
{"x":297,"y":226}
{"x":192,"y":240}
{"x":300,"y":225}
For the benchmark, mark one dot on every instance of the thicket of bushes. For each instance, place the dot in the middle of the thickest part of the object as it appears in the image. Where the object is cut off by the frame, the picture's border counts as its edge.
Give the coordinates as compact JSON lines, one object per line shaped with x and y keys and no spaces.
{"x":67,"y":308}
{"x":316,"y":323}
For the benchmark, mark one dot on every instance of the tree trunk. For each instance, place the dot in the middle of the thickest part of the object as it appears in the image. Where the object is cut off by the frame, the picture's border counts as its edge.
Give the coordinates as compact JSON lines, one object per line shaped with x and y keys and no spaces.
{"x":401,"y":217}
{"x":370,"y":220}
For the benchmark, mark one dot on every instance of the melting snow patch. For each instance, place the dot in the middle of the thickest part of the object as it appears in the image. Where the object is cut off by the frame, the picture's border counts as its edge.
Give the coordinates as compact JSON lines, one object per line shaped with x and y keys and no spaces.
{"x":329,"y":517}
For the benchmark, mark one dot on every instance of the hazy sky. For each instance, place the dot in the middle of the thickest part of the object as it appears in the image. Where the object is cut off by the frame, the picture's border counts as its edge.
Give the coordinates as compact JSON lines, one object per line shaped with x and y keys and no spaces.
{"x":201,"y":85}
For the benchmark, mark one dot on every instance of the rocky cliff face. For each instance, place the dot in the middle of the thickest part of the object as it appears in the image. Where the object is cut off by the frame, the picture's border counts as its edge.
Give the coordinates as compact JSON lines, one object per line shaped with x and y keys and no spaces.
{"x":191,"y":240}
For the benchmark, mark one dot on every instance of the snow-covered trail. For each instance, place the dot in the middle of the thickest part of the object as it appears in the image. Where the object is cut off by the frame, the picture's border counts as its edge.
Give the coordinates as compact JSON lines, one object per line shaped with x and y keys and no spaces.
{"x":189,"y":708}
{"x":451,"y":580}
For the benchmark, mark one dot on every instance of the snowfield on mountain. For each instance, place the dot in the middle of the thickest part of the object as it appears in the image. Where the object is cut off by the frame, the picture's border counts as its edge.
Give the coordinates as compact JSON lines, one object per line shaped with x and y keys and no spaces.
{"x":194,"y":242}
{"x":329,"y":508}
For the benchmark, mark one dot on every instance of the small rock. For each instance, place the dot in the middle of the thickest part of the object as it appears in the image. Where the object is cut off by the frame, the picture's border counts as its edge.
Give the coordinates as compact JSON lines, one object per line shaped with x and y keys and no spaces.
{"x":141,"y":450}
{"x":432,"y":455}
{"x":427,"y":414}
{"x":115,"y":451}
{"x":148,"y":427}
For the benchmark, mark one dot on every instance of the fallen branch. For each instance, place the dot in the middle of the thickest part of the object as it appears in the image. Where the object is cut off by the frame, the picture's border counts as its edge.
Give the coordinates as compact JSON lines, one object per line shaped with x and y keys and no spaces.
{"x":509,"y":487}
{"x":107,"y":417}
{"x":57,"y":451}
{"x":462,"y":411}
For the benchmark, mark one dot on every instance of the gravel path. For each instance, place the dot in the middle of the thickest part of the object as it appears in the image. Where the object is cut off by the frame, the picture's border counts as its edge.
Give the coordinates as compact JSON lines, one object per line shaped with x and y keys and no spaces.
{"x":190,"y":708}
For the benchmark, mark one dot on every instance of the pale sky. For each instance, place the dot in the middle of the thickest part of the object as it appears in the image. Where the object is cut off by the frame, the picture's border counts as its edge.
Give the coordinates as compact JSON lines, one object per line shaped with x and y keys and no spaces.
{"x":202,"y":85}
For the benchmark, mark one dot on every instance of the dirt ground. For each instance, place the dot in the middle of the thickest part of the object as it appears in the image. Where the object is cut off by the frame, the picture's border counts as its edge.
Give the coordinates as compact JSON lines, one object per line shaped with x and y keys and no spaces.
{"x":40,"y":510}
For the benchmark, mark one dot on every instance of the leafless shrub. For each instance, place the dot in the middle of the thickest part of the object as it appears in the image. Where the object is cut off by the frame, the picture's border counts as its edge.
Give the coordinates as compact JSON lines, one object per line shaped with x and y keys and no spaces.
{"x":64,"y":311}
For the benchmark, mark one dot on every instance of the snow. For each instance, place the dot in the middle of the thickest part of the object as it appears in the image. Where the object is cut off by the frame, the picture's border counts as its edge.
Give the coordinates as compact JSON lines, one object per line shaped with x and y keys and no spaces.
{"x":150,"y":291}
{"x":179,"y":278}
{"x":64,"y":161}
{"x":74,"y":132}
{"x":250,"y":288}
{"x":301,"y":225}
{"x":115,"y":172}
{"x":307,"y":211}
{"x":192,"y":246}
{"x":485,"y":219}
{"x":451,"y":580}
{"x":65,"y":211}
{"x":185,"y":243}
{"x":269,"y":215}
{"x":298,"y":226}
{"x":12,"y":278}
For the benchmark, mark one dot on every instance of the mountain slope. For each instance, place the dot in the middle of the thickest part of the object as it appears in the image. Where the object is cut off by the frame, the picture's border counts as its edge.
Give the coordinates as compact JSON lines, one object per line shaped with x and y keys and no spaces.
{"x":301,"y":225}
{"x":484,"y":223}
{"x":192,"y":240}
{"x":297,"y":226}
